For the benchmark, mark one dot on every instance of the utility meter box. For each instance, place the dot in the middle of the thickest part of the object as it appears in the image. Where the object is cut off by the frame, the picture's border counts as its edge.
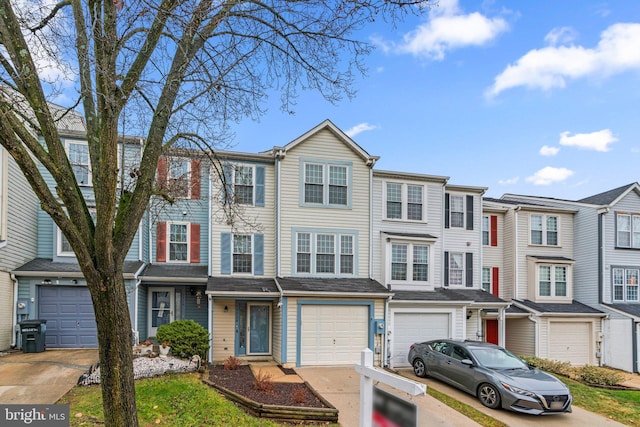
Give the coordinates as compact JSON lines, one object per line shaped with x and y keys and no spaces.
{"x":378,"y":326}
{"x":23,"y":306}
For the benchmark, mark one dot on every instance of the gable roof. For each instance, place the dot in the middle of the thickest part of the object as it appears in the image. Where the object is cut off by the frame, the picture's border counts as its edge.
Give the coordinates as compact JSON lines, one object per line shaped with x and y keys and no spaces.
{"x":338,"y":133}
{"x":610,"y":197}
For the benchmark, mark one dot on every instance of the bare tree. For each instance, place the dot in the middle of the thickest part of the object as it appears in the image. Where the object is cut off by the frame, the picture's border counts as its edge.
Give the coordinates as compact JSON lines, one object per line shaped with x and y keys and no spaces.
{"x":176,"y":72}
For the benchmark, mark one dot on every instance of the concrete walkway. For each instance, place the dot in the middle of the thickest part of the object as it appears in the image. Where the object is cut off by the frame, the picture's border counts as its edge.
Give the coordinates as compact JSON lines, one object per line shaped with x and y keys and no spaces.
{"x":341,"y":387}
{"x":42,"y":378}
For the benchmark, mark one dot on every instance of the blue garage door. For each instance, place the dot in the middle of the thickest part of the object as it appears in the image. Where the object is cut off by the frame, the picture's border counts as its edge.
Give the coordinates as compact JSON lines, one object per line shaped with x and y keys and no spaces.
{"x":69,"y":314}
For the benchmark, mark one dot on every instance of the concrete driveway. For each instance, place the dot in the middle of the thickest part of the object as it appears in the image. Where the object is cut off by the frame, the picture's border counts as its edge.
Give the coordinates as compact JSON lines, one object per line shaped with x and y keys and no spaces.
{"x":341,"y":387}
{"x":42,"y":378}
{"x":579,"y":417}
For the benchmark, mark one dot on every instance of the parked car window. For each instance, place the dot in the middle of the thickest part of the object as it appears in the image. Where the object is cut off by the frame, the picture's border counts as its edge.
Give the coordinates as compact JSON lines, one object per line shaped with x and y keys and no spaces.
{"x":498,"y":358}
{"x":460,"y":353}
{"x":440,"y":347}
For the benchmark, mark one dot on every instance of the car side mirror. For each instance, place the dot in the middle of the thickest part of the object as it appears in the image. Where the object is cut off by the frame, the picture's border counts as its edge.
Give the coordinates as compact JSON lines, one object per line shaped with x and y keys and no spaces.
{"x":467,"y":362}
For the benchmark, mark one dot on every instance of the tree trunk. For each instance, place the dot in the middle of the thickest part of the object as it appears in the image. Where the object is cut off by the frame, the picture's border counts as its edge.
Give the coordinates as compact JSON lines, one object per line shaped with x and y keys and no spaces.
{"x":116,"y":355}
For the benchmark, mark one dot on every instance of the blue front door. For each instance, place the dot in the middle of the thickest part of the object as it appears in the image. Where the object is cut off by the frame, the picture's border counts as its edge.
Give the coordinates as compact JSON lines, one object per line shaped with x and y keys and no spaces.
{"x":253,"y":328}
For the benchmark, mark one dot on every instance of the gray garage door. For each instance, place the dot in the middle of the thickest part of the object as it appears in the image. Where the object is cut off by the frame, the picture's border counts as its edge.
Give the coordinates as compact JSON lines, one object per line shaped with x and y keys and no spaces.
{"x":69,"y":314}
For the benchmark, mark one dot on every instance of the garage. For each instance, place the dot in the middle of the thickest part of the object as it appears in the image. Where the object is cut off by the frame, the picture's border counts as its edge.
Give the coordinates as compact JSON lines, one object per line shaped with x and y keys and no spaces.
{"x":333,"y":334}
{"x":570,"y":342}
{"x":416,"y":327}
{"x":68,"y":311}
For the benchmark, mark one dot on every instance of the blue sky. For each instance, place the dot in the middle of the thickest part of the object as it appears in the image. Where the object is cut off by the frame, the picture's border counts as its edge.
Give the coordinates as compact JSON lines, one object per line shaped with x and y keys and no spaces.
{"x":529,"y":97}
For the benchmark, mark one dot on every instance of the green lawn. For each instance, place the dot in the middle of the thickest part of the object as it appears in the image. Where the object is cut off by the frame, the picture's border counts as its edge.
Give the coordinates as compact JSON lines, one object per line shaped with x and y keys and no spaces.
{"x":169,"y":400}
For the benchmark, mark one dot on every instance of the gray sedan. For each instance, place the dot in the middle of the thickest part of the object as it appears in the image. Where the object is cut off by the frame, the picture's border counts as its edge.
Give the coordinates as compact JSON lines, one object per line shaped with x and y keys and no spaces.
{"x":491,"y":373}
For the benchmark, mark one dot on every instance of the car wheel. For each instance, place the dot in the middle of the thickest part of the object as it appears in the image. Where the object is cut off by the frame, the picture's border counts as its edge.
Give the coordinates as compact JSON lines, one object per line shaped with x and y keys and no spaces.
{"x":419,"y":368}
{"x":489,"y":396}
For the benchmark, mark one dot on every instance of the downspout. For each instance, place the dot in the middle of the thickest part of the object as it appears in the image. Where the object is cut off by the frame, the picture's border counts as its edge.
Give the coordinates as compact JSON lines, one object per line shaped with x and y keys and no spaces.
{"x":371,"y":223}
{"x":14,"y":322}
{"x":136,"y":332}
{"x":535,"y":334}
{"x":601,"y":260}
{"x":210,"y":227}
{"x":140,"y":242}
{"x":635,"y":330}
{"x":386,"y":359}
{"x":278,"y":231}
{"x":210,"y":327}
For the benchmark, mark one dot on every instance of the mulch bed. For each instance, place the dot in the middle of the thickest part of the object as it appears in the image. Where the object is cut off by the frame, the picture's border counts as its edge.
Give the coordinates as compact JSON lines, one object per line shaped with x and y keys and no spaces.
{"x":241,"y":381}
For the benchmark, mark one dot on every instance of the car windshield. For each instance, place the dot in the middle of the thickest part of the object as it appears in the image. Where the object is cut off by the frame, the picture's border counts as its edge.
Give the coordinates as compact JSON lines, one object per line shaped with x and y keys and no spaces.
{"x":497,"y":358}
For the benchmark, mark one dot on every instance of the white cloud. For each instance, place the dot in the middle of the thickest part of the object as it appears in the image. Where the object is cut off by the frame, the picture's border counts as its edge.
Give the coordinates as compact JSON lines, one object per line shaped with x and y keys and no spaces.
{"x":448,"y":28}
{"x":509,"y":181}
{"x":359,"y":128}
{"x":553,"y":66}
{"x":549,"y":175}
{"x":562,"y":35}
{"x":549,"y":151}
{"x":597,"y":141}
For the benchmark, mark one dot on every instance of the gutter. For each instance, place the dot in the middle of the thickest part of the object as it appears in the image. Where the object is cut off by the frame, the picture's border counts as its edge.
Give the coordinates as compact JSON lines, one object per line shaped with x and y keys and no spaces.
{"x":210,"y":327}
{"x":165,"y":279}
{"x":209,"y":231}
{"x":136,"y":333}
{"x":335,"y":294}
{"x":275,"y":279}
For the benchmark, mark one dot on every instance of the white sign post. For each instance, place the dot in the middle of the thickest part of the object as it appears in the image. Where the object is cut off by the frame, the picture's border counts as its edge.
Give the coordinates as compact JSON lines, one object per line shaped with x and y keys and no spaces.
{"x":368,"y":374}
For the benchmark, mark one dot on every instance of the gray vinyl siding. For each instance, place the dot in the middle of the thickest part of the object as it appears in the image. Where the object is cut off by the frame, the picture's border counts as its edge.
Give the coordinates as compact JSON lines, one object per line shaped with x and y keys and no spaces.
{"x":432,"y":225}
{"x":510,"y":255}
{"x":520,"y":336}
{"x":250,"y":220}
{"x":195,"y":211}
{"x":324,"y":146}
{"x":142,"y":312}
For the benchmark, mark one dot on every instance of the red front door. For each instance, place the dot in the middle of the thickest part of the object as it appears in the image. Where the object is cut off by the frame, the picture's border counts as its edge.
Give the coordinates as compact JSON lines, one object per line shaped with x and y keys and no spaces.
{"x":491,"y":330}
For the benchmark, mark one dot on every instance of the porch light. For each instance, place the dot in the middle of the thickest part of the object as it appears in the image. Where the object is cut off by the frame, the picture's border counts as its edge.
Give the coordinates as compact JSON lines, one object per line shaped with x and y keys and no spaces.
{"x":226,"y":309}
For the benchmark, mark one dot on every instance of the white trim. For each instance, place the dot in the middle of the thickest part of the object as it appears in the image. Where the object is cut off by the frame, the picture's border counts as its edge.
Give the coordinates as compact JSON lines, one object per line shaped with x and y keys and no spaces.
{"x":151,"y":331}
{"x":253,"y":182}
{"x":410,"y":244}
{"x":59,"y":251}
{"x":168,"y":242}
{"x":404,"y":201}
{"x":67,"y":143}
{"x":544,"y":230}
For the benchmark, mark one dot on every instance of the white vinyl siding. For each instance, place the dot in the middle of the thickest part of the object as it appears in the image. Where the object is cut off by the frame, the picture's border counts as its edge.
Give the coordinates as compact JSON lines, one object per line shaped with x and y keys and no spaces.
{"x":520,"y":337}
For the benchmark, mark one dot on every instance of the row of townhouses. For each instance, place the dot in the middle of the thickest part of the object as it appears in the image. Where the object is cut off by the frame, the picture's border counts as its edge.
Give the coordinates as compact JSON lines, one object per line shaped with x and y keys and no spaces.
{"x":306,"y":254}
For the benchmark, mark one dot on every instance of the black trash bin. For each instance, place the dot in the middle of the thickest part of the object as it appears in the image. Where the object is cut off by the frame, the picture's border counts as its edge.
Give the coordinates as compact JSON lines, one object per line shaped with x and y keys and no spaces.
{"x":33,"y":334}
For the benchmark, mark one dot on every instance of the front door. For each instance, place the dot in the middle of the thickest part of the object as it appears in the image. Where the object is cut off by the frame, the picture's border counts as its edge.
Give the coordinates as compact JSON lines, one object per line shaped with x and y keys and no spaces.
{"x":253,"y":328}
{"x":161,"y":308}
{"x":491,"y":331}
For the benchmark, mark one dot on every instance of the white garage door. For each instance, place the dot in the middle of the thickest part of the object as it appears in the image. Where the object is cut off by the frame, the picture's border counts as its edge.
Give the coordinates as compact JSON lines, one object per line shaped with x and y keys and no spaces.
{"x":333,"y":334}
{"x":416,"y":327}
{"x":570,"y":342}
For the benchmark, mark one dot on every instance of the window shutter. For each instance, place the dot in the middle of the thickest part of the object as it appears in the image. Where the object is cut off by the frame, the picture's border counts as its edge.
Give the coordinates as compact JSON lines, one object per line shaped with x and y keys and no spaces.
{"x":468,"y":265}
{"x":495,"y":290}
{"x":194,"y":243}
{"x":258,"y":254}
{"x":161,"y":242}
{"x":227,"y":191}
{"x":260,"y":185}
{"x":469,"y":212}
{"x":447,"y":211}
{"x":446,"y":268}
{"x":225,"y":253}
{"x":494,"y":230}
{"x":163,"y":172}
{"x":195,"y":179}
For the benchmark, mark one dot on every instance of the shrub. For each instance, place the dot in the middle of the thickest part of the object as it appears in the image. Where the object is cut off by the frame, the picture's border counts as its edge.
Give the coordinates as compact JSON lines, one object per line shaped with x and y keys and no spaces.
{"x":598,"y":375}
{"x":263,"y":382}
{"x":299,"y":395}
{"x":554,"y":366}
{"x":231,"y":363}
{"x":186,"y":338}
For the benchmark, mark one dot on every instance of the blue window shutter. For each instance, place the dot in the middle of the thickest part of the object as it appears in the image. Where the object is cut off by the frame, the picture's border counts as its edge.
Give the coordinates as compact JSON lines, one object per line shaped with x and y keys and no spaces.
{"x":469,"y":212}
{"x":227,"y":192}
{"x":258,"y":254}
{"x":225,"y":253}
{"x":446,"y":268}
{"x":259,"y":185}
{"x":469,"y":267}
{"x":446,"y":211}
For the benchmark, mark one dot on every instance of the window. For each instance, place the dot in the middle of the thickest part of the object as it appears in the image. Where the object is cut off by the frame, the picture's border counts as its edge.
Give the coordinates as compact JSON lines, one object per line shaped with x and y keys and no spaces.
{"x":178,"y":242}
{"x":179,"y":177}
{"x":242,"y":254}
{"x":544,"y":230}
{"x":628,"y":230}
{"x":457,"y":211}
{"x":409,"y":262}
{"x":325,"y":184}
{"x":456,"y":269}
{"x":243,"y":185}
{"x":404,"y":201}
{"x":486,"y":279}
{"x":625,"y":284}
{"x":79,"y":159}
{"x":485,"y":230}
{"x":64,"y":247}
{"x":552,"y":281}
{"x":325,"y":253}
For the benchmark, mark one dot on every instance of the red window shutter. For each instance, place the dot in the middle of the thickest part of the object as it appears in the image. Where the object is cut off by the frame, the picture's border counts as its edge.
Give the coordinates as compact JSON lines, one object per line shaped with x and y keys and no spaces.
{"x":495,"y":282}
{"x":163,"y":172}
{"x":195,"y":179}
{"x":194,"y":243}
{"x":494,"y":230}
{"x":161,"y":242}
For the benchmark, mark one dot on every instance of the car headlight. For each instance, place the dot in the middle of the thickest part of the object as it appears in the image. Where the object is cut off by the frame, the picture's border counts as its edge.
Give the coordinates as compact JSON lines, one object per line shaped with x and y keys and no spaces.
{"x":519,"y":390}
